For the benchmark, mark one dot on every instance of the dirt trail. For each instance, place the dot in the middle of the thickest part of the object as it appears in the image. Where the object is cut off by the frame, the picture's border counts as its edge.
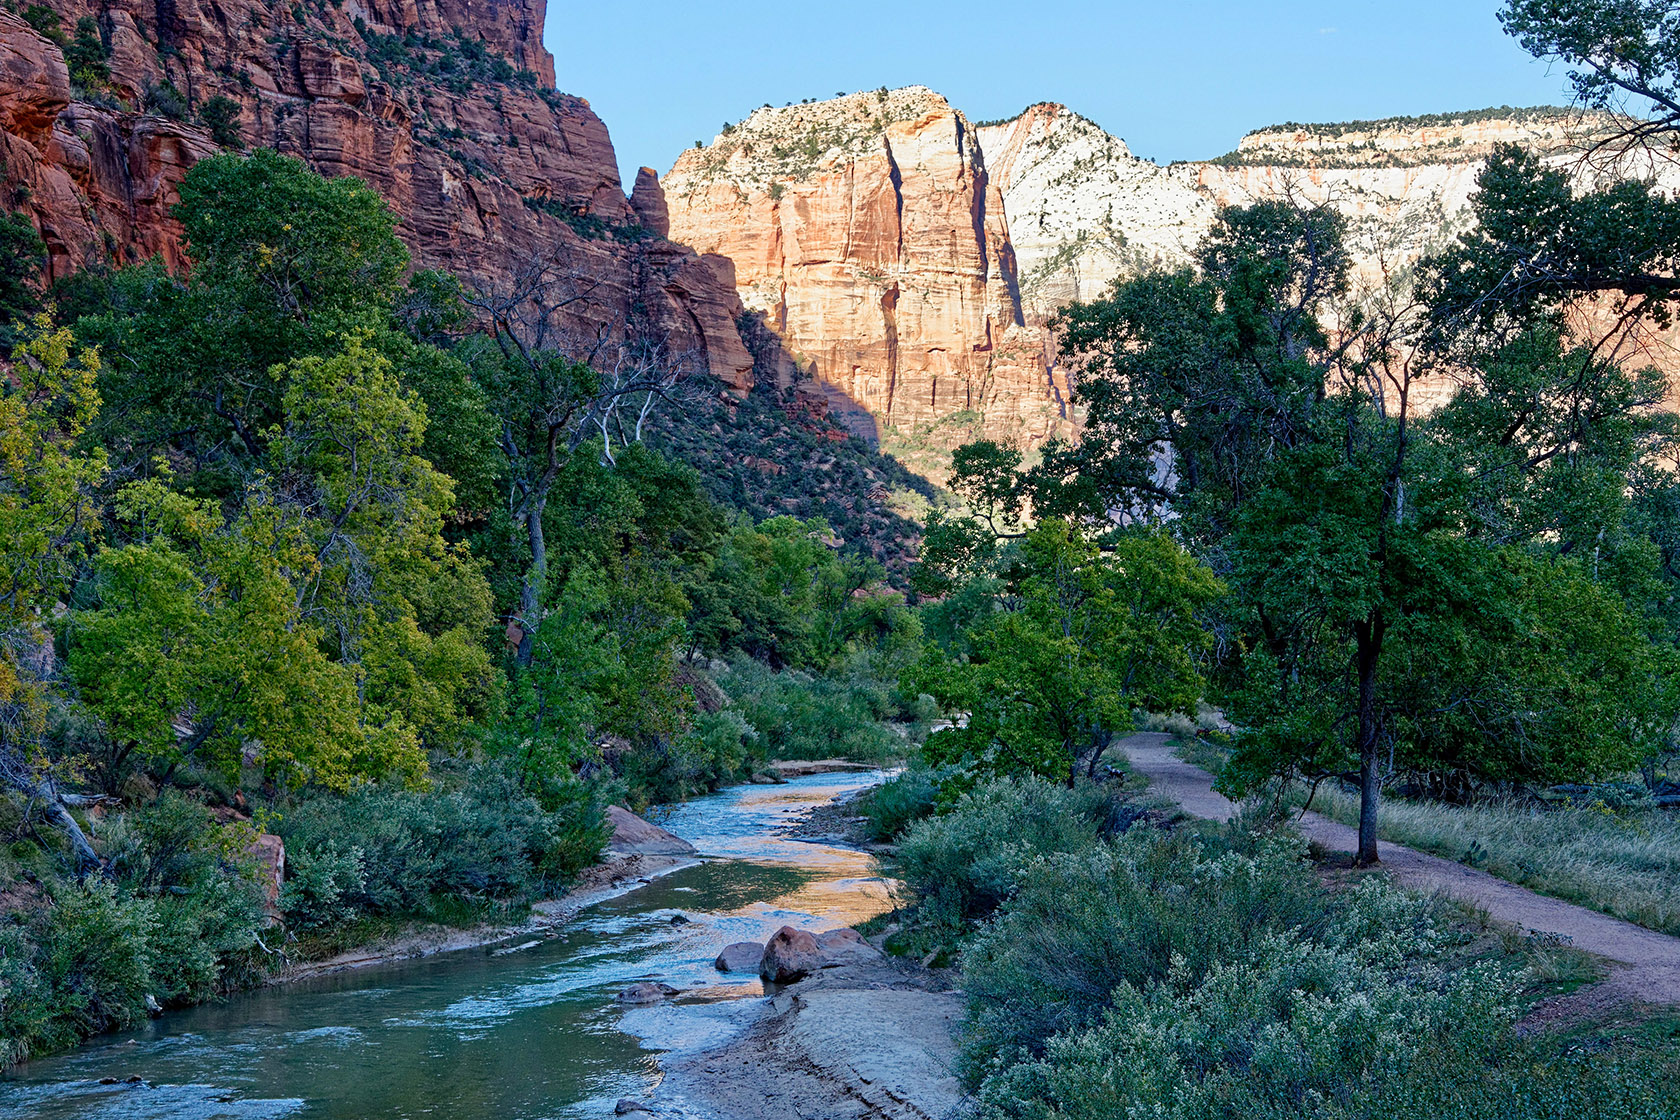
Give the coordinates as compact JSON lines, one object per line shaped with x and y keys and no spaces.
{"x":1645,"y":964}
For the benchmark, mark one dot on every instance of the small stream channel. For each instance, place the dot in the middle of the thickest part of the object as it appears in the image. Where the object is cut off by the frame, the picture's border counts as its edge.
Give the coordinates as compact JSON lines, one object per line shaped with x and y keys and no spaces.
{"x":484,"y":1034}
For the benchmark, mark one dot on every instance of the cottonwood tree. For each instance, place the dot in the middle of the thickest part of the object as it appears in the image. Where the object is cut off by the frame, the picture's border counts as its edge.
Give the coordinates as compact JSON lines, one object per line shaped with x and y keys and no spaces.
{"x":554,"y":385}
{"x":48,"y":517}
{"x":1624,"y":59}
{"x":283,"y":264}
{"x":1081,"y":638}
{"x":1368,"y":547}
{"x":329,"y":579}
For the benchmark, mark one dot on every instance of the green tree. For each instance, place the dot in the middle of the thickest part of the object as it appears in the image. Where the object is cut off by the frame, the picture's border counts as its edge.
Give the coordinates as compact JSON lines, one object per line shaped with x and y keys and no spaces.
{"x":781,"y":593}
{"x":283,"y":262}
{"x":198,"y":623}
{"x":1623,"y":55}
{"x":1083,"y":638}
{"x":21,"y":254}
{"x":330,"y":579}
{"x":403,"y":604}
{"x":48,"y":517}
{"x":1356,"y":534}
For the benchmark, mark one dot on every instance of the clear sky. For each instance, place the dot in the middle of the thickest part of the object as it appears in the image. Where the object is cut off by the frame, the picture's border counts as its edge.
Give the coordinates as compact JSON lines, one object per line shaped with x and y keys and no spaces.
{"x":1177,"y":79}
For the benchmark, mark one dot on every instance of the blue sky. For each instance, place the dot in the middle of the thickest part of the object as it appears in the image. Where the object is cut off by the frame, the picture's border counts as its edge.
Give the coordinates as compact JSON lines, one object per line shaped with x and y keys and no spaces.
{"x":1177,"y":79}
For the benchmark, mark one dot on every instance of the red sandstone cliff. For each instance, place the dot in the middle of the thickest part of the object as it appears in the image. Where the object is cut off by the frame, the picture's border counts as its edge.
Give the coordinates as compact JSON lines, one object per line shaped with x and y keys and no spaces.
{"x":867,"y":232}
{"x":446,"y":107}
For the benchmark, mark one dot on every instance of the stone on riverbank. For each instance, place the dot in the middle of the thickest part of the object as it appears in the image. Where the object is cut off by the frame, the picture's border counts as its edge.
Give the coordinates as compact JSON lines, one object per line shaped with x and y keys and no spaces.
{"x":632,"y":836}
{"x":742,"y":956}
{"x":647,"y":991}
{"x":794,"y":954}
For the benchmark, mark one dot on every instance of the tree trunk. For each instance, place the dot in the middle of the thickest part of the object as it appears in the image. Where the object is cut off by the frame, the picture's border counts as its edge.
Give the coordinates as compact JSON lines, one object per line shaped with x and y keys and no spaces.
{"x":14,"y":772}
{"x":1368,"y":639}
{"x":530,"y":591}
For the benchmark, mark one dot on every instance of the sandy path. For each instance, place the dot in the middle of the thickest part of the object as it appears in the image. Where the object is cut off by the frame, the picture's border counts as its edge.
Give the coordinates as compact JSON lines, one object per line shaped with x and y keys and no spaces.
{"x":1645,"y":964}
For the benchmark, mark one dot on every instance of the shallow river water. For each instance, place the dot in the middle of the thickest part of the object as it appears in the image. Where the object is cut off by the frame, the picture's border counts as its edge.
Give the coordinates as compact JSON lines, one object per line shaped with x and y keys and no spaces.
{"x":489,"y":1034}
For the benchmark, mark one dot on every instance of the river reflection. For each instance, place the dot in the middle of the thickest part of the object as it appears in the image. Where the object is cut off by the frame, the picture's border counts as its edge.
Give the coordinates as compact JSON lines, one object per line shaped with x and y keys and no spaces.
{"x":481,"y":1034}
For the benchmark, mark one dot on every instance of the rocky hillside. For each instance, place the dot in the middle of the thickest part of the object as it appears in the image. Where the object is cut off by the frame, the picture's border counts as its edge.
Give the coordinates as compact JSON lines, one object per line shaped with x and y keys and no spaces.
{"x":1083,"y":210}
{"x":868,"y":233}
{"x":909,"y":259}
{"x":447,"y":107}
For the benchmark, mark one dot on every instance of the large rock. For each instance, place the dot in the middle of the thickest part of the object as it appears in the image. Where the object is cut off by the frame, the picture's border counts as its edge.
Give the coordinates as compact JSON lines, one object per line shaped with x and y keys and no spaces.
{"x":869,"y":235}
{"x":269,"y":853}
{"x":742,"y":956}
{"x":632,"y":836}
{"x":845,"y":946}
{"x":792,"y":954}
{"x":34,"y":81}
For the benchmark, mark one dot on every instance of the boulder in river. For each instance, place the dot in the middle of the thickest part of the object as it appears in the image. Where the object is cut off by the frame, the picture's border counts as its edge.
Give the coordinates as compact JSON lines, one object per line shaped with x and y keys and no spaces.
{"x":632,"y":836}
{"x":794,"y":954}
{"x":743,"y":956}
{"x":646,"y":991}
{"x":791,"y":955}
{"x":845,"y":946}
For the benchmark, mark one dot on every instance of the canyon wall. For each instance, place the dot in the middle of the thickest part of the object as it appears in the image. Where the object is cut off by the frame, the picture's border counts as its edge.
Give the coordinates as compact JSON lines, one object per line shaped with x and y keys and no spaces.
{"x":446,"y":107}
{"x":1083,"y":209}
{"x":870,"y":236}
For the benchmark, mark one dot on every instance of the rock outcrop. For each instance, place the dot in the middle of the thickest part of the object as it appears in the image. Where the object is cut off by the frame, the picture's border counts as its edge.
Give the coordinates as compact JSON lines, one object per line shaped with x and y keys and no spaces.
{"x":868,"y":234}
{"x":632,"y":836}
{"x":793,"y":954}
{"x":1083,"y":210}
{"x":446,"y":107}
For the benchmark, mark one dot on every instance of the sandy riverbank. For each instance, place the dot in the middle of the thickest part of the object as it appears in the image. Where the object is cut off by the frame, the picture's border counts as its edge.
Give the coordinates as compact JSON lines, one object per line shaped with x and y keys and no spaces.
{"x":860,"y":1042}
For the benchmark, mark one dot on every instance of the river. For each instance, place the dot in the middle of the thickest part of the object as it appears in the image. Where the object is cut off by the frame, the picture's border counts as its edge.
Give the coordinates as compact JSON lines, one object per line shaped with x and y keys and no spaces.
{"x":500,"y":1033}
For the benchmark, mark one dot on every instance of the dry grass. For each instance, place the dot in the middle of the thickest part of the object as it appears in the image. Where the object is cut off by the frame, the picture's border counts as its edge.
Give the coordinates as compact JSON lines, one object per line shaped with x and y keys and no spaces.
{"x":1622,"y":863}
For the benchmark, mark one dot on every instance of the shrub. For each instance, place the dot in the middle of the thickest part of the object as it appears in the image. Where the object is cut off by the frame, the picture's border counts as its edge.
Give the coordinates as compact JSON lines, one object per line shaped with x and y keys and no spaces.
{"x":391,"y":851}
{"x":1090,"y":923}
{"x":165,"y":100}
{"x":1290,"y":1027}
{"x":206,"y":902}
{"x":720,"y":748}
{"x":963,"y":864}
{"x":802,"y":715}
{"x":896,"y":804}
{"x":94,"y":954}
{"x":221,"y":116}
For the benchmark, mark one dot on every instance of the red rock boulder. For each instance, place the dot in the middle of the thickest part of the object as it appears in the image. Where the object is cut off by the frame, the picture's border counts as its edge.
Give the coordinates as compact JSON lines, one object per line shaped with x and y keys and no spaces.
{"x":791,"y":955}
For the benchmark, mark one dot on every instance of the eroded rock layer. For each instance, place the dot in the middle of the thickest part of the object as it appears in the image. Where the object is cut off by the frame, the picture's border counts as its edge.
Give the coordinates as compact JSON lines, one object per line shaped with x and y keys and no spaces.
{"x":868,"y":233}
{"x":1083,"y":210}
{"x":446,"y":107}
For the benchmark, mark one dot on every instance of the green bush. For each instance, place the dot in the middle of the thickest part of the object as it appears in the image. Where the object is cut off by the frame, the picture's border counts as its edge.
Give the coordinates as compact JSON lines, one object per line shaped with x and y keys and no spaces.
{"x":900,"y":802}
{"x":962,"y":865}
{"x":803,"y":715}
{"x":206,"y":903}
{"x":721,"y":747}
{"x":166,"y":101}
{"x":220,"y":115}
{"x":175,"y":918}
{"x":1088,"y":924}
{"x":1297,"y":1028}
{"x":388,"y":851}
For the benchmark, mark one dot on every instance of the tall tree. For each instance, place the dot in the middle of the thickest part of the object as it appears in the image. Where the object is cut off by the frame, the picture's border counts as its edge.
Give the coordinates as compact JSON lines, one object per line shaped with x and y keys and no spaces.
{"x":1357,"y":533}
{"x":1081,"y":638}
{"x":48,"y":518}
